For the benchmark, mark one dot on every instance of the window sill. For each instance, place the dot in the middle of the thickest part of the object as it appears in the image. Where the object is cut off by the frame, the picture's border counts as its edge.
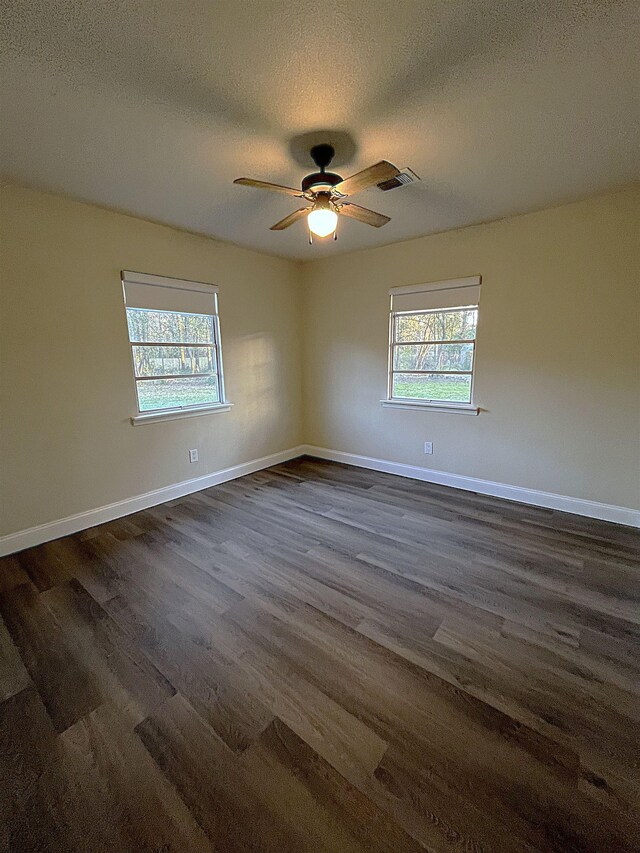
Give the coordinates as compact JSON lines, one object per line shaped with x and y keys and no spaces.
{"x":455,"y":408}
{"x":156,"y":417}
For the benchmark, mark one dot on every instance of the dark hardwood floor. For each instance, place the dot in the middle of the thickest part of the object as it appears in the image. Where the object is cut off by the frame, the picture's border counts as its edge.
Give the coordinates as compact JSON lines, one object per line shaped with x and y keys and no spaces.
{"x":321,"y":658}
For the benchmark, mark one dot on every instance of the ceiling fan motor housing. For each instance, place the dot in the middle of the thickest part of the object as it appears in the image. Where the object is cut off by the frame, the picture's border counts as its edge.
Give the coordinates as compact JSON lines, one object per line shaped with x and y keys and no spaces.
{"x":320,"y":182}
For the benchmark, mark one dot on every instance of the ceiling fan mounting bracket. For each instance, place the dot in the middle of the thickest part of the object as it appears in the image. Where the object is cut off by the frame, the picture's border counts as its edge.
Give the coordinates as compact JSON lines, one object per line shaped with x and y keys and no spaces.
{"x":322,"y":155}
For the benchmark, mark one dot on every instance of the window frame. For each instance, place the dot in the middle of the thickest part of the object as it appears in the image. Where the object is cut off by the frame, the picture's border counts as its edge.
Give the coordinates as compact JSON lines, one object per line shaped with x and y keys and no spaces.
{"x":173,"y":412}
{"x":394,"y":343}
{"x":433,"y":297}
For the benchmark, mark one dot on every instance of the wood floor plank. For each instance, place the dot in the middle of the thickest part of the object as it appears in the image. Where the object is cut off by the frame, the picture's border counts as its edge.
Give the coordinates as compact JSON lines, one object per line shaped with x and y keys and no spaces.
{"x":346,"y":804}
{"x":68,"y":689}
{"x":322,"y":658}
{"x":278,"y":797}
{"x":213,"y":685}
{"x":12,"y":574}
{"x":92,"y":789}
{"x":214,"y":785}
{"x":13,"y":674}
{"x":340,"y":737}
{"x":122,"y":674}
{"x":84,"y":563}
{"x":27,"y":746}
{"x":108,"y":793}
{"x":44,"y":565}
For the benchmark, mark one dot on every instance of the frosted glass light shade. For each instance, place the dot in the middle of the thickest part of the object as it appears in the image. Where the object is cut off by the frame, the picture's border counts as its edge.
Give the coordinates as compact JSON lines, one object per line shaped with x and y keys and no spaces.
{"x":322,"y":222}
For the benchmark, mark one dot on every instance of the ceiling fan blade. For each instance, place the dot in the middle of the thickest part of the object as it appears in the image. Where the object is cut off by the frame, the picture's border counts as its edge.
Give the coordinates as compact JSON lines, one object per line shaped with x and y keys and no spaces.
{"x":265,"y":185}
{"x":363,"y":214}
{"x":290,"y":219}
{"x":382,"y":171}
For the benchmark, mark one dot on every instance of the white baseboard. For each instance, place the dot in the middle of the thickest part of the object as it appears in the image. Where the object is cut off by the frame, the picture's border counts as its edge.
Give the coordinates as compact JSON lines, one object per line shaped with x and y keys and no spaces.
{"x":577,"y":506}
{"x":81,"y":521}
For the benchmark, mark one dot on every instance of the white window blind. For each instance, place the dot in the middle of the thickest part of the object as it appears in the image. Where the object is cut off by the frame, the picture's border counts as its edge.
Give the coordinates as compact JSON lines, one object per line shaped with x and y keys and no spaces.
{"x":160,"y":293}
{"x":452,"y":293}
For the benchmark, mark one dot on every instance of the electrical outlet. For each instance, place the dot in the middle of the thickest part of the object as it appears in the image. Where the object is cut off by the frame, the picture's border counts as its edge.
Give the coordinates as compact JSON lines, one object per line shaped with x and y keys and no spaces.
{"x":428,"y":447}
{"x":193,"y":456}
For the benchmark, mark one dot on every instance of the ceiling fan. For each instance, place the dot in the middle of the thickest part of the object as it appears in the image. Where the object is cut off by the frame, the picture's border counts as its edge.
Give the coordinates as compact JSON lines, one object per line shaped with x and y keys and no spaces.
{"x":326,"y":194}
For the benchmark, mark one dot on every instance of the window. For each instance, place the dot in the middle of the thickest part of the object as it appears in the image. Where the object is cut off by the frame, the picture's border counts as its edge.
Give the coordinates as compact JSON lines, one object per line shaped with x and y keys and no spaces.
{"x":174,"y":334}
{"x":432,"y":343}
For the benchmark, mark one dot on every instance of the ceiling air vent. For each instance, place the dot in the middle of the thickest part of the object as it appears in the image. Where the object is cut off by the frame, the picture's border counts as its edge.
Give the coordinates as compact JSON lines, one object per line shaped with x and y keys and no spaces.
{"x":406,"y":176}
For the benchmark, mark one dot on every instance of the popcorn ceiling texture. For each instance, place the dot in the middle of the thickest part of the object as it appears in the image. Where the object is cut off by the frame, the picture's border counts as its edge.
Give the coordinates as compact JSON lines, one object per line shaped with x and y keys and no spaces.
{"x":153,"y":108}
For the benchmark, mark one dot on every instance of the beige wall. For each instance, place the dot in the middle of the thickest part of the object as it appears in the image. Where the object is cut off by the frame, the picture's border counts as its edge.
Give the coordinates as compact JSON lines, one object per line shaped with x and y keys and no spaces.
{"x":67,"y":391}
{"x":558,"y":363}
{"x":558,"y":351}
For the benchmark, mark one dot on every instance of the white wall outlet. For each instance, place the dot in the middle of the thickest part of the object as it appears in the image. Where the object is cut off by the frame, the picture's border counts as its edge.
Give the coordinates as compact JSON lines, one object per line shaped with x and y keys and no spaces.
{"x":193,"y":456}
{"x":428,"y":447}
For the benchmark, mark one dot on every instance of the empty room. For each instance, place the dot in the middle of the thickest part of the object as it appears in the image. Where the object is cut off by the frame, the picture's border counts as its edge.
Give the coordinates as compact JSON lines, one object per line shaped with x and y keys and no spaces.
{"x":319,"y":426}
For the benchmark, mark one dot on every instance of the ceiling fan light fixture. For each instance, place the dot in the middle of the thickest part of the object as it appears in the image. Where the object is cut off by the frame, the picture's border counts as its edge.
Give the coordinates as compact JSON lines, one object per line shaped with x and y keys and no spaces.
{"x":323,"y":219}
{"x":326,"y":193}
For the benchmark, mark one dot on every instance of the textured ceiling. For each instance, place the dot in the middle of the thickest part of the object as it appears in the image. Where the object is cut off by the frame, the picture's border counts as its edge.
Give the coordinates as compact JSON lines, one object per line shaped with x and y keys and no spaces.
{"x":154,"y":107}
